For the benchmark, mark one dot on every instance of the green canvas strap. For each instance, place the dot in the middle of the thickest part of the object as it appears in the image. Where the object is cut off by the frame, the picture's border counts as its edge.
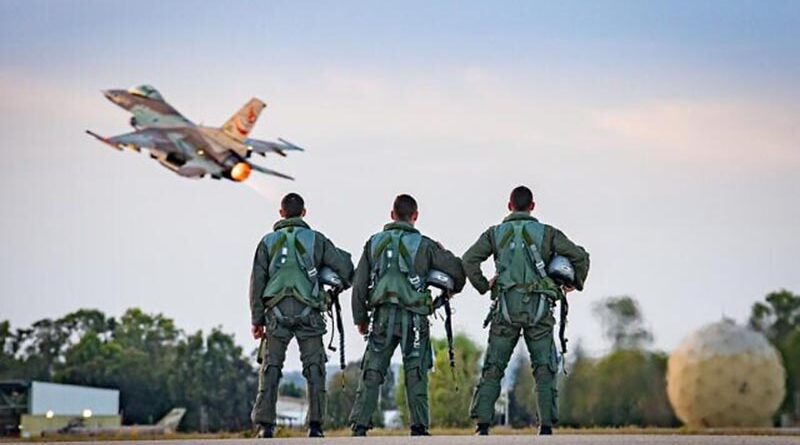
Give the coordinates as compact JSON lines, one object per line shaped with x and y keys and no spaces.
{"x":275,"y":242}
{"x":273,"y":301}
{"x":390,"y":324}
{"x":293,"y":319}
{"x":408,"y":245}
{"x":539,"y":265}
{"x":504,"y":308}
{"x":404,"y":328}
{"x":533,"y":251}
{"x":304,"y":246}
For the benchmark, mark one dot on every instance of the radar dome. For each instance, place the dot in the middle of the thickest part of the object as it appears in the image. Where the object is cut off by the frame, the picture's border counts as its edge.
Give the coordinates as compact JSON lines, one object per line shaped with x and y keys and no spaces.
{"x":725,"y":375}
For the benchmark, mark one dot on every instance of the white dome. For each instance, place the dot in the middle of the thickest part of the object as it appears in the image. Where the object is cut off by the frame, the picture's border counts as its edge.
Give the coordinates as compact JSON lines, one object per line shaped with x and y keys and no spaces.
{"x":725,"y":375}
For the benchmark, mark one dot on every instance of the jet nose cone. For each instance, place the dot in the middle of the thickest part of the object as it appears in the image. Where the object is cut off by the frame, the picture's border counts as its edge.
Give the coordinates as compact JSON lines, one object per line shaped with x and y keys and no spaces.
{"x":112,"y":95}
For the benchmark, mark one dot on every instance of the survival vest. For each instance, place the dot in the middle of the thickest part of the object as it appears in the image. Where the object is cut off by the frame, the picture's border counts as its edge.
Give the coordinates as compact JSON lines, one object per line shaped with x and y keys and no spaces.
{"x":291,"y":267}
{"x":521,"y":273}
{"x":393,"y":278}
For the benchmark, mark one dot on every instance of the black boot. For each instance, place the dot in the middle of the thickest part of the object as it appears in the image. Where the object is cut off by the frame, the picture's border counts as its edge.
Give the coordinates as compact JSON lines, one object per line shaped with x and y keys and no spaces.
{"x":419,"y":430}
{"x":359,"y":431}
{"x":315,"y":429}
{"x":265,"y":431}
{"x":482,"y":429}
{"x":545,"y":430}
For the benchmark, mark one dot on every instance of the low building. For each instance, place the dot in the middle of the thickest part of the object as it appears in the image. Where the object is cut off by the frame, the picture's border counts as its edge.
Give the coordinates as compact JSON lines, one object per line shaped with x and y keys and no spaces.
{"x":28,"y":408}
{"x":291,"y":411}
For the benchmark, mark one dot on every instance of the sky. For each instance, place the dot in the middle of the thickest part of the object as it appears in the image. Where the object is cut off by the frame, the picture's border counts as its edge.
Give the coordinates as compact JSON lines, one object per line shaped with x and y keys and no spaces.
{"x":664,"y":137}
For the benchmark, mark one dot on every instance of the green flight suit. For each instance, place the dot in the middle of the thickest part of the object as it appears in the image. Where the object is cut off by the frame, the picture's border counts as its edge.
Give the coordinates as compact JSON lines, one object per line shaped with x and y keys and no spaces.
{"x":506,"y":328}
{"x":291,"y":317}
{"x":393,"y":325}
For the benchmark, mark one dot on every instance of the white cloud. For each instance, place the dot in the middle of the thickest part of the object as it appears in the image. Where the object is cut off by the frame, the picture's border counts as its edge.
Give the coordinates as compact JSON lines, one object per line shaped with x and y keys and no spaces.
{"x":736,"y":135}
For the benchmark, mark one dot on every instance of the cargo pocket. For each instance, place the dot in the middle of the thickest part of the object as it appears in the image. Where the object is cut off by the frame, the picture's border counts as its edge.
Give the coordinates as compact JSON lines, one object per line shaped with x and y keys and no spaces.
{"x":502,"y":329}
{"x":543,"y":352}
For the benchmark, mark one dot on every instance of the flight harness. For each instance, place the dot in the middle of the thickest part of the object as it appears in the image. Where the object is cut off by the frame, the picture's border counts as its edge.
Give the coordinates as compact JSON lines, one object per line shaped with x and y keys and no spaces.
{"x":515,"y":237}
{"x":394,"y":282}
{"x":291,"y":253}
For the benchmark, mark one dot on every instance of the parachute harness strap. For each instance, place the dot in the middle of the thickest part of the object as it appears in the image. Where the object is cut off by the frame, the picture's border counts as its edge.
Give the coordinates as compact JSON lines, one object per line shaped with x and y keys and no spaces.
{"x":306,"y":257}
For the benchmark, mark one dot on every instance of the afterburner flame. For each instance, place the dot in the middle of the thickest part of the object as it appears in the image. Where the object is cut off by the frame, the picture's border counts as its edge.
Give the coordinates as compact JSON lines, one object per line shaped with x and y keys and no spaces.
{"x":241,"y":171}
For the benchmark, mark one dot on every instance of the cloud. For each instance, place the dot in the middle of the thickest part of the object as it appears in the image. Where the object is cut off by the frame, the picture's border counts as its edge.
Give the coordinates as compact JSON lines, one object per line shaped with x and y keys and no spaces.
{"x":24,"y":96}
{"x":735,"y":135}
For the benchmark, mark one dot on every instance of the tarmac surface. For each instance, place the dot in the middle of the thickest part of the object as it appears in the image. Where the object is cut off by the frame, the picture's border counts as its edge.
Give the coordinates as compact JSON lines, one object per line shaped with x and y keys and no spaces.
{"x":581,"y":439}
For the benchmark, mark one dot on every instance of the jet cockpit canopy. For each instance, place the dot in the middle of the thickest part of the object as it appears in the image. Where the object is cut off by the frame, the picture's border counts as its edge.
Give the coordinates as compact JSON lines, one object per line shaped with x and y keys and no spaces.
{"x":146,"y":91}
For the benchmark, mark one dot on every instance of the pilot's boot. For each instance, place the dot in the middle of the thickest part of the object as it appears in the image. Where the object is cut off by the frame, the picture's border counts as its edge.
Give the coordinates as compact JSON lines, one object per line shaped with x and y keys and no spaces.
{"x":545,"y":430}
{"x":482,"y":429}
{"x":315,"y":429}
{"x":419,"y":430}
{"x":265,"y":431}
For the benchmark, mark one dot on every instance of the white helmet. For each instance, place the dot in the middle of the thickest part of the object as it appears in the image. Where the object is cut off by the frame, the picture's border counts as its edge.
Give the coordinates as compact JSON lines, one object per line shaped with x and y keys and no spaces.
{"x":561,"y":270}
{"x":440,"y":280}
{"x":328,"y":277}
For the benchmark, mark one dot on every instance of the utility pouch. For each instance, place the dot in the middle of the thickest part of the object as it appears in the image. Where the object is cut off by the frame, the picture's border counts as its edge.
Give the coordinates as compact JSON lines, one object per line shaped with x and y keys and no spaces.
{"x":548,"y":287}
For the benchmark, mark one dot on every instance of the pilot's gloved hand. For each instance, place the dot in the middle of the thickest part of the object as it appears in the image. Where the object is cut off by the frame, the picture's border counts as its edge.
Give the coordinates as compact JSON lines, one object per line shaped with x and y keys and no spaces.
{"x":257,"y":331}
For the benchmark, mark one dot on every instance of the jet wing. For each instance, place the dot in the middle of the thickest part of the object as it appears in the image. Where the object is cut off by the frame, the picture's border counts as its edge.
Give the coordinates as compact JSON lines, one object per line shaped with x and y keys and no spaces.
{"x":148,"y":139}
{"x":263,"y":147}
{"x":168,"y":117}
{"x":267,"y":171}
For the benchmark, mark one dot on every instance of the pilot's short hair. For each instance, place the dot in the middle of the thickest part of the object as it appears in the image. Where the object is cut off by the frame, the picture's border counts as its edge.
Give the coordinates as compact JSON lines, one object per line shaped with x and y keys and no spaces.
{"x":521,"y":198}
{"x":292,"y":205}
{"x":404,"y":206}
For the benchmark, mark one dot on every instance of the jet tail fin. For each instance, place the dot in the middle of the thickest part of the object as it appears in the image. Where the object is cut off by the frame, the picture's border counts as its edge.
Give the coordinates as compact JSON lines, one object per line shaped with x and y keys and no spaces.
{"x":172,"y":419}
{"x":240,"y":124}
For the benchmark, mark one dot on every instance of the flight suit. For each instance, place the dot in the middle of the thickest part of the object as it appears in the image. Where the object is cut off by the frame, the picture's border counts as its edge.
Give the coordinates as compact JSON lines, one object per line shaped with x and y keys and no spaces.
{"x":513,"y":318}
{"x":394,"y":324}
{"x":289,"y":315}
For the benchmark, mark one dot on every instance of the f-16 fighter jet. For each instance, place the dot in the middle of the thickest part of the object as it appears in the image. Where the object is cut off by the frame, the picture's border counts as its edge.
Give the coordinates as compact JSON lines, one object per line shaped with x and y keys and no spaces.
{"x":193,"y":150}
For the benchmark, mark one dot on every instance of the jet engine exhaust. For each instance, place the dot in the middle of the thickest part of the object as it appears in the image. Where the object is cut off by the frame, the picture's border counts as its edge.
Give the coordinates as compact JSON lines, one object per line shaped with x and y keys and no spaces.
{"x":241,"y":171}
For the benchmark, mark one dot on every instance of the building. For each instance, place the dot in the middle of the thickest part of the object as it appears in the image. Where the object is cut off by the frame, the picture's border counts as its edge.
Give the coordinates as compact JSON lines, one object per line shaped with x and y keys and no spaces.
{"x":28,"y":408}
{"x":291,"y":411}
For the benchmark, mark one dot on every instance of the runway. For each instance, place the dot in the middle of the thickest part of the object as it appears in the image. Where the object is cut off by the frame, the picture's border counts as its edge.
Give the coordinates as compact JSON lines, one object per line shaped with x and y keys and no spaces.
{"x":587,"y":439}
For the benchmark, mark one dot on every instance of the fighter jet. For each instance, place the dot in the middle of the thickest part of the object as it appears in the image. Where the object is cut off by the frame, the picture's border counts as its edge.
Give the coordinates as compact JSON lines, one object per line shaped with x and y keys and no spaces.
{"x":77,"y":426}
{"x":190,"y":150}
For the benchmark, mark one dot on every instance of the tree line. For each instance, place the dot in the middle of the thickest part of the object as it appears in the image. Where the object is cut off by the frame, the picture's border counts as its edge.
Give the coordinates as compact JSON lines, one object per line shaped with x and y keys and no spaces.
{"x":157,"y":366}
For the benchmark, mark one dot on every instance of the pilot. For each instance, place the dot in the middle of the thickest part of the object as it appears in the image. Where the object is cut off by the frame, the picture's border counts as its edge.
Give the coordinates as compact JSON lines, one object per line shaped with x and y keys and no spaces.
{"x":286,"y":302}
{"x":391,"y":305}
{"x":523,"y":296}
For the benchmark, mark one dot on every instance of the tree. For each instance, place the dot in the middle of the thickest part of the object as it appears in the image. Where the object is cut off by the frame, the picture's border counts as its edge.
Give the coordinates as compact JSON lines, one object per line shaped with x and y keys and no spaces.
{"x":625,"y":387}
{"x":135,"y":355}
{"x":779,"y":320}
{"x":522,"y":408}
{"x":577,"y":392}
{"x":212,"y":378}
{"x":341,"y":396}
{"x":632,"y":390}
{"x":623,"y":322}
{"x":449,"y":398}
{"x":290,"y":389}
{"x":155,"y":365}
{"x":388,"y":400}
